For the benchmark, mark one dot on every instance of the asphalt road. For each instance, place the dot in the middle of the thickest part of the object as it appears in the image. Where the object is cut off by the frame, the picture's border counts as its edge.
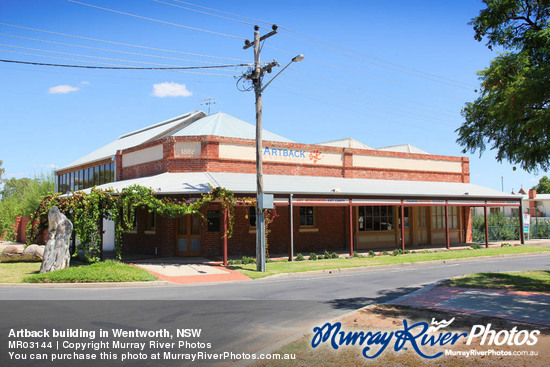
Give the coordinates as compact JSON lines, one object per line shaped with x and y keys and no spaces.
{"x":246,"y":316}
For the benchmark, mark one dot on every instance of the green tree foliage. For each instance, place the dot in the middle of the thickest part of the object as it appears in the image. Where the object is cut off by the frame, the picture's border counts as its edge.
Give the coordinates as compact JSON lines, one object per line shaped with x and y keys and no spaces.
{"x":1,"y":171}
{"x":511,"y":114}
{"x":20,"y":197}
{"x":543,"y":187}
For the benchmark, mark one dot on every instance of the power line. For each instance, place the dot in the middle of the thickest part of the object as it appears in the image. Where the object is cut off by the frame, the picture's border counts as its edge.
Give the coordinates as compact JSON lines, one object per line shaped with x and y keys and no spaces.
{"x":120,"y":43}
{"x":203,"y":12}
{"x":379,"y":62}
{"x":156,"y":20}
{"x":120,"y":67}
{"x":93,"y":57}
{"x":103,"y":49}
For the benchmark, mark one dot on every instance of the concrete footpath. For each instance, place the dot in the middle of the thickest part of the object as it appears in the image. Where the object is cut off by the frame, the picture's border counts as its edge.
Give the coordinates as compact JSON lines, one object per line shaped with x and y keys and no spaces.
{"x":187,"y":271}
{"x":526,"y":307}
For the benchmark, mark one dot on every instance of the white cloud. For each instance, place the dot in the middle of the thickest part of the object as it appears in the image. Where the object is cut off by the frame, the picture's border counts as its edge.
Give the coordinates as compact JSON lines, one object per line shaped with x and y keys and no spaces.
{"x":62,"y":89}
{"x":170,"y":89}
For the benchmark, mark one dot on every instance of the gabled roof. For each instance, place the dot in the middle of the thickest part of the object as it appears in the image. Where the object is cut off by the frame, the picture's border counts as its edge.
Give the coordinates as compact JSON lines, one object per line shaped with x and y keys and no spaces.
{"x":137,"y":137}
{"x":346,"y":143}
{"x":195,"y":123}
{"x":221,"y":124}
{"x":404,"y":148}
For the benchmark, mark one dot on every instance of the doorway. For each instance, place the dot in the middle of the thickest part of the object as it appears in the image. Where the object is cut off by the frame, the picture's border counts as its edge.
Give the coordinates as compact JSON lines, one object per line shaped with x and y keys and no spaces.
{"x":188,"y":239}
{"x":421,"y":227}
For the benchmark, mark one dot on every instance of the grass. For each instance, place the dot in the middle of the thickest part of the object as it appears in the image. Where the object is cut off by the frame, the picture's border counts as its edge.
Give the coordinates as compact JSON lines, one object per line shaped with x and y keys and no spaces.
{"x":532,"y":281}
{"x":15,"y":272}
{"x":108,"y":271}
{"x":273,"y":268}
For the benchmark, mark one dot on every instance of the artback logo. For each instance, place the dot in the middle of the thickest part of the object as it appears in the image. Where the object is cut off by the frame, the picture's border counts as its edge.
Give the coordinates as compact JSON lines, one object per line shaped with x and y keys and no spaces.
{"x":417,"y":336}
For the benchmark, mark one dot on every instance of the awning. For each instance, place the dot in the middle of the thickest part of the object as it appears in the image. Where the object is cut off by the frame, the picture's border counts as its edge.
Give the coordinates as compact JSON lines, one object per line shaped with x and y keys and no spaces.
{"x":184,"y":183}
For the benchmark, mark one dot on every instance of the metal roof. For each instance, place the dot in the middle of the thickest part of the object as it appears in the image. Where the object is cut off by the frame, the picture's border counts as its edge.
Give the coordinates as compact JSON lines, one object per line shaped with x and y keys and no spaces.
{"x":221,"y":124}
{"x":404,"y":148}
{"x":137,"y":137}
{"x":200,"y":182}
{"x":346,"y":143}
{"x":195,"y":123}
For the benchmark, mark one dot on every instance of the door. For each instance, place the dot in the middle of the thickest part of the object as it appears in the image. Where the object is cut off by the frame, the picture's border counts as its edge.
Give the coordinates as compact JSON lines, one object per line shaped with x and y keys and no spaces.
{"x":188,"y":239}
{"x":421,"y":225}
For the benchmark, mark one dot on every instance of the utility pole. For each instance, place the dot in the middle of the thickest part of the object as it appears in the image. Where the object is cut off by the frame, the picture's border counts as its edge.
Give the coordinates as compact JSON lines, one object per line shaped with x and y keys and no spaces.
{"x":261,"y":202}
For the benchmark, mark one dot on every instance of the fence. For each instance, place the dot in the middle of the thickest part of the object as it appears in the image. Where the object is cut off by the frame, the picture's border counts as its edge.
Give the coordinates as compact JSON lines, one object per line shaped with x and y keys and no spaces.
{"x":539,"y":229}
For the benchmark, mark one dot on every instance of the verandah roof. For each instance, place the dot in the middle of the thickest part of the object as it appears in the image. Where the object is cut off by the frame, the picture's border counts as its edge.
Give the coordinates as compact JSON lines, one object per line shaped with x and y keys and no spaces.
{"x":330,"y":187}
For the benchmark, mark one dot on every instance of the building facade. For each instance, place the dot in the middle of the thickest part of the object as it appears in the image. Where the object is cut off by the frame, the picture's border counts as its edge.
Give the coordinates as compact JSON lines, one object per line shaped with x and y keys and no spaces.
{"x":339,"y":195}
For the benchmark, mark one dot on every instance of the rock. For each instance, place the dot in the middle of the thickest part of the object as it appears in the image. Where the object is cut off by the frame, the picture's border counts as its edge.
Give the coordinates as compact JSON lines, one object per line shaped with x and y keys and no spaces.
{"x":35,"y":251}
{"x":13,"y":250}
{"x":56,"y":252}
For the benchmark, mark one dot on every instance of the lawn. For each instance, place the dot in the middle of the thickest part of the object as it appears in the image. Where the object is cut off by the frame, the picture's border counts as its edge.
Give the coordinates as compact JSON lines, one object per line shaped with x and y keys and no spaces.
{"x":108,"y":271}
{"x":533,"y":281}
{"x":15,"y":272}
{"x":280,"y":267}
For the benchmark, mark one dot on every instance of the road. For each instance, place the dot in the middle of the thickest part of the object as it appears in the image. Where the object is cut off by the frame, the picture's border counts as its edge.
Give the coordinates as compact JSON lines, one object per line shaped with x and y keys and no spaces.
{"x":246,"y":316}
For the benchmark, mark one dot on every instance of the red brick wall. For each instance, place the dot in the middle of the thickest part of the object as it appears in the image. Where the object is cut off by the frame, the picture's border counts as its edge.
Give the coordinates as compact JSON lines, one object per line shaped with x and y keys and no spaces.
{"x":209,"y":161}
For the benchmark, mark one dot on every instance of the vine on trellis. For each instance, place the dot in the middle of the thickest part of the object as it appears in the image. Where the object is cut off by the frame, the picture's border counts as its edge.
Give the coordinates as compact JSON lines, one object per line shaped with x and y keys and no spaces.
{"x":87,"y":210}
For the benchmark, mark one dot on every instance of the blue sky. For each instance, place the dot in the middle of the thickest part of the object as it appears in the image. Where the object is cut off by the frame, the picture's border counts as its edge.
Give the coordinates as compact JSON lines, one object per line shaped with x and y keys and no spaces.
{"x":381,"y":72}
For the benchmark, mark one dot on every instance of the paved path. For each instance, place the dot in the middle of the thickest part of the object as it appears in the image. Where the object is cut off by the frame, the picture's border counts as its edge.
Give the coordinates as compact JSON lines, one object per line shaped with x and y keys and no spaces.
{"x":529,"y":307}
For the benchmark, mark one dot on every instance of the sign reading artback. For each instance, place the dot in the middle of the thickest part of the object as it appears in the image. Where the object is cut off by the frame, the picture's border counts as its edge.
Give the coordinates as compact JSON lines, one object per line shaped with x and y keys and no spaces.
{"x":276,"y":154}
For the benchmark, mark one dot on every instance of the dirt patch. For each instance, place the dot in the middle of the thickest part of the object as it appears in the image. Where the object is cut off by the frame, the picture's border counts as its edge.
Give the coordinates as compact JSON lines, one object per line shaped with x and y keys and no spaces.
{"x":390,"y":318}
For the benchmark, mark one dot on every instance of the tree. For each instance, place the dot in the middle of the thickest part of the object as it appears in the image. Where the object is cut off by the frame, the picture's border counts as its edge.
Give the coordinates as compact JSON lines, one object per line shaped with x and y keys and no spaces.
{"x":511,"y":114}
{"x":20,"y":197}
{"x":1,"y":171}
{"x":543,"y":187}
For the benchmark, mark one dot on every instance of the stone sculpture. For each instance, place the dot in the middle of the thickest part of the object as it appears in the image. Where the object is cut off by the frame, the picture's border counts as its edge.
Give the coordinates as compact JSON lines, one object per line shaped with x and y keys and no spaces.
{"x":56,"y":253}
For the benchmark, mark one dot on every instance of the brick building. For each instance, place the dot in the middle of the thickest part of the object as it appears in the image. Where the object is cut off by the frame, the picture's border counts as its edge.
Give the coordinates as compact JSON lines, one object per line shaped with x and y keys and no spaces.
{"x":338,"y":195}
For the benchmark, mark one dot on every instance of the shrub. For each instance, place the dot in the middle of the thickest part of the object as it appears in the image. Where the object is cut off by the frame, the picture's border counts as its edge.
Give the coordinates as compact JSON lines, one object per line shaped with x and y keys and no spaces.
{"x":355,"y":254}
{"x":313,"y":256}
{"x":475,"y":246}
{"x":248,"y":260}
{"x":396,"y":252}
{"x":299,"y":257}
{"x":385,"y":252}
{"x":326,"y":255}
{"x":334,"y":255}
{"x":371,"y":253}
{"x":505,"y":245}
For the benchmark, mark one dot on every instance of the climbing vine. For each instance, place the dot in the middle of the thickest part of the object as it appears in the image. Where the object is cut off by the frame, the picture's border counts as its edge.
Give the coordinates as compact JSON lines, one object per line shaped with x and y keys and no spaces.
{"x":85,"y":211}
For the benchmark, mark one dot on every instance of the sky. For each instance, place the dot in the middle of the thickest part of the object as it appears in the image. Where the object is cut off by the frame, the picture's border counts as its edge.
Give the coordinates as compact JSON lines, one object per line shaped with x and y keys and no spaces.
{"x":381,"y":72}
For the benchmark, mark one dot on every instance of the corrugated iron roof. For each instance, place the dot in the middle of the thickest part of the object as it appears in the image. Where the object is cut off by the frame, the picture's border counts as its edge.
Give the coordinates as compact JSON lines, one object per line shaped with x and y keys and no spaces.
{"x":221,"y":124}
{"x":404,"y":148}
{"x":195,"y":123}
{"x":200,"y":182}
{"x":346,"y":143}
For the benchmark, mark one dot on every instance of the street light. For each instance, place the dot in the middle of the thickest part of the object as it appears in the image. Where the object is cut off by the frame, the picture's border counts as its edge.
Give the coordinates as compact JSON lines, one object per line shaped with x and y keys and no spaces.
{"x":297,"y":58}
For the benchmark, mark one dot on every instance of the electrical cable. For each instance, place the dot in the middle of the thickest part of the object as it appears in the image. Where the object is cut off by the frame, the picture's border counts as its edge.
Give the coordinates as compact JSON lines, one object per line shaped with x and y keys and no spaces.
{"x":121,"y":67}
{"x":155,"y":20}
{"x":120,"y":43}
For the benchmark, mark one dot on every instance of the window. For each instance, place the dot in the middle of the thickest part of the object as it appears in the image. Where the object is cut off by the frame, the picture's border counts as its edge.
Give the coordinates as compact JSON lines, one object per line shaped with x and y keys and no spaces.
{"x":494,"y":210}
{"x":515,"y":212}
{"x":150,"y":225}
{"x":307,"y":216}
{"x":213,"y":220}
{"x":438,"y":217}
{"x":375,"y":218}
{"x":252,"y":216}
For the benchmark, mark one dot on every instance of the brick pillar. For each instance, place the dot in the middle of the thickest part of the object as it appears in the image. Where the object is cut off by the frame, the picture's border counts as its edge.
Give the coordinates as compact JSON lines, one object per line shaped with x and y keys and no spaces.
{"x":347,"y":170}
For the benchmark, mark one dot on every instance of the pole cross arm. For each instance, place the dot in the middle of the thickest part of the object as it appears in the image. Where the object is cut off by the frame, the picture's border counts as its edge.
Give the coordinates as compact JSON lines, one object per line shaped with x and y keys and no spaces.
{"x":248,"y":44}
